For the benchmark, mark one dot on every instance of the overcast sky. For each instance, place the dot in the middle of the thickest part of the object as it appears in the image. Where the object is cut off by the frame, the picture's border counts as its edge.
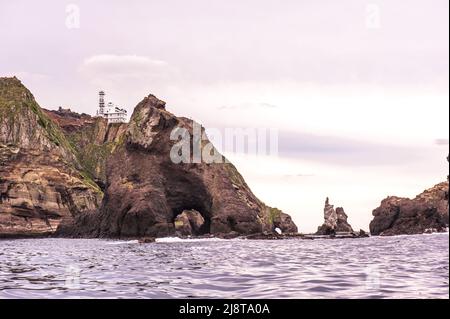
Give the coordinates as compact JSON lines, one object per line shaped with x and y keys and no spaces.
{"x":358,"y":90}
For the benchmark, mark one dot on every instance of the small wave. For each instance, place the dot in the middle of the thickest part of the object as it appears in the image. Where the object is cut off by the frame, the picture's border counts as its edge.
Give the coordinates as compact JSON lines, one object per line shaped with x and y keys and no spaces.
{"x":184,"y":240}
{"x":411,"y":235}
{"x":438,"y":232}
{"x":123,"y":242}
{"x":406,"y":267}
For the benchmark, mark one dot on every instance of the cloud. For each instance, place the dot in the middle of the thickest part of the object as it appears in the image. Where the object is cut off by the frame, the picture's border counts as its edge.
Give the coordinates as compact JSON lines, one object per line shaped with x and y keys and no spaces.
{"x":247,"y":105}
{"x":441,"y":141}
{"x":344,"y":151}
{"x":298,"y":175}
{"x":107,"y":68}
{"x":268,"y":105}
{"x":122,"y":64}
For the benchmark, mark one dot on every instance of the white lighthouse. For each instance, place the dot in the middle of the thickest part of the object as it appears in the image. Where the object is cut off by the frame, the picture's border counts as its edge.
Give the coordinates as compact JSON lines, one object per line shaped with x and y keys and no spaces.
{"x":109,"y":111}
{"x":101,"y":102}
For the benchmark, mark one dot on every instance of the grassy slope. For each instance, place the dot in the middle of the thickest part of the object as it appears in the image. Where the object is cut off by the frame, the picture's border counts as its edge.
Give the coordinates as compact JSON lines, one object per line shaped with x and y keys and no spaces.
{"x":93,"y":155}
{"x":16,"y":100}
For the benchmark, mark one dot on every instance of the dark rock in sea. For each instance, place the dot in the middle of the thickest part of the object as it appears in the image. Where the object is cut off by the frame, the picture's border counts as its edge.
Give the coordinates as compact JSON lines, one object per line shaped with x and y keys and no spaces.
{"x":279,"y":222}
{"x":426,"y":212}
{"x":342,"y":224}
{"x":230,"y":235}
{"x":363,"y":233}
{"x":189,"y":223}
{"x":335,"y":220}
{"x":146,"y":191}
{"x":265,"y":236}
{"x":146,"y":240}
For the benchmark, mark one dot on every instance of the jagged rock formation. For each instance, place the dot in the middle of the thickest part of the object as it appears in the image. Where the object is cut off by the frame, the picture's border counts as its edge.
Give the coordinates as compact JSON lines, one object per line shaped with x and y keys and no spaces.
{"x":427,"y":212}
{"x":335,"y":220}
{"x":55,"y":164}
{"x":146,"y":190}
{"x":41,"y":178}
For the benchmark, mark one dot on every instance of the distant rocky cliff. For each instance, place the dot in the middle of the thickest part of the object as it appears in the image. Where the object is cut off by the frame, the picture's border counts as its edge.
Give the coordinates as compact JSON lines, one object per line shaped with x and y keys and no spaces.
{"x":75,"y":173}
{"x":427,"y":212}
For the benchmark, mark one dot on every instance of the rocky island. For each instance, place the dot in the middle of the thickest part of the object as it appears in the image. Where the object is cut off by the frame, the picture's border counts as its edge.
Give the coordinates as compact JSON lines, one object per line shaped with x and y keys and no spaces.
{"x":69,"y":174}
{"x":427,"y":212}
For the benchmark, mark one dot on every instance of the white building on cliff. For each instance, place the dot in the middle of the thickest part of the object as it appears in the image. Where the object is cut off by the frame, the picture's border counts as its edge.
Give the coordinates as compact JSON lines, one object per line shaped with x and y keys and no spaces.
{"x":109,"y":111}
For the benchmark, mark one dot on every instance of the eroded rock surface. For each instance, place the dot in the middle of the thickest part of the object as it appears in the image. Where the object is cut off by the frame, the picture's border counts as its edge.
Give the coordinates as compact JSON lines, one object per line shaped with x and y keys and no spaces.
{"x":427,"y":212}
{"x":54,"y":166}
{"x":93,"y":138}
{"x":41,"y":179}
{"x":190,"y":222}
{"x":335,"y":220}
{"x":146,"y":190}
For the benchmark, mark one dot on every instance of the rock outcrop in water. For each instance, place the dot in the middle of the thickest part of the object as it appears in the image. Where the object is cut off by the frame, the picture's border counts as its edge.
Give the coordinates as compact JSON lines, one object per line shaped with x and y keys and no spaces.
{"x":427,"y":212}
{"x":146,"y":192}
{"x":335,"y":220}
{"x":189,"y":222}
{"x":41,"y":179}
{"x":114,"y":180}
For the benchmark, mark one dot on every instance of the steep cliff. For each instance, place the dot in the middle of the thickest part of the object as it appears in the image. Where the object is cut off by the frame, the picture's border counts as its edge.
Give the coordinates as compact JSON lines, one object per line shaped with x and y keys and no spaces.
{"x":427,"y":212}
{"x":54,"y":165}
{"x":93,"y":138}
{"x":41,"y":178}
{"x":146,"y":191}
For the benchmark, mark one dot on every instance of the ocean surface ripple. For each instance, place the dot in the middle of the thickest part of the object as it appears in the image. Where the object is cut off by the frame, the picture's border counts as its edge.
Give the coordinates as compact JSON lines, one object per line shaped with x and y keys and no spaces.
{"x":376,"y":267}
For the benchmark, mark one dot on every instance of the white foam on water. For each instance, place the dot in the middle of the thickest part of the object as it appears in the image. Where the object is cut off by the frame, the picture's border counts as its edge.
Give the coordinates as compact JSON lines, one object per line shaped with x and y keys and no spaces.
{"x":184,"y":240}
{"x":446,"y":233}
{"x":438,"y":232}
{"x":127,"y":242}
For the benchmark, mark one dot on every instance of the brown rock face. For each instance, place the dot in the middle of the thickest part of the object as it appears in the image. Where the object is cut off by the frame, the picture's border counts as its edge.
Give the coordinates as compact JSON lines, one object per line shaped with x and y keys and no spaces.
{"x":342,"y":224}
{"x":146,"y":190}
{"x":41,"y":180}
{"x":69,"y":121}
{"x":189,"y":222}
{"x":55,"y":164}
{"x":93,"y":138}
{"x":335,"y":220}
{"x":426,"y":212}
{"x":280,"y":220}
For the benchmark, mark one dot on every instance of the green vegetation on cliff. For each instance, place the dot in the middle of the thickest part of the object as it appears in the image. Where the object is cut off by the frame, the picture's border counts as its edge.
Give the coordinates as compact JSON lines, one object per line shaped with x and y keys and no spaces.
{"x":94,"y":143}
{"x":274,"y":214}
{"x":16,"y":99}
{"x":21,"y":116}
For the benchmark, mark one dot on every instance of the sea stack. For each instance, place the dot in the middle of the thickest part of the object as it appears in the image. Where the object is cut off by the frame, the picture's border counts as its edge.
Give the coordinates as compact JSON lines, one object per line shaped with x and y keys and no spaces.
{"x":335,"y":220}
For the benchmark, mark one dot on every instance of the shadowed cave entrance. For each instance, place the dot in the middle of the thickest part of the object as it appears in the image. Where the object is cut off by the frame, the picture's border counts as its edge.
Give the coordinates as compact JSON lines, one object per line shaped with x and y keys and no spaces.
{"x":189,"y":194}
